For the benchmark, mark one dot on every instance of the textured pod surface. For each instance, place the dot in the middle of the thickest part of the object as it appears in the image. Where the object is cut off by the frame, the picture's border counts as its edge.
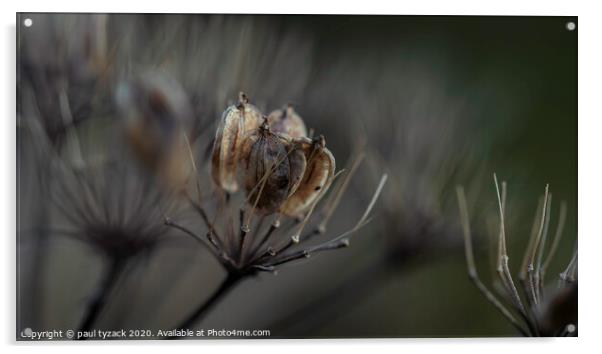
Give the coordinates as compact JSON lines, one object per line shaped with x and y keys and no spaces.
{"x":317,"y":177}
{"x":235,"y":125}
{"x":267,"y":170}
{"x":287,"y":121}
{"x":298,"y":162}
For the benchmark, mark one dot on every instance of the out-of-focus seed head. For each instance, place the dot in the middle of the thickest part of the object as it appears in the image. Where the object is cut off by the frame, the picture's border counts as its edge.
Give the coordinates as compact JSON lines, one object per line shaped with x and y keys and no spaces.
{"x":286,"y":121}
{"x":90,"y":51}
{"x":111,"y":207}
{"x":317,"y":177}
{"x":237,"y":122}
{"x":267,"y":169}
{"x":69,"y":82}
{"x":156,"y":114}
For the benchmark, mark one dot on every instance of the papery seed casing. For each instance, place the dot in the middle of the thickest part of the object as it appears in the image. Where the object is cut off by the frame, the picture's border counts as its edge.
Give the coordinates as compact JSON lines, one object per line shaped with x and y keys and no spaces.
{"x":287,"y":121}
{"x":236,"y":123}
{"x":317,"y":177}
{"x":298,"y":163}
{"x":267,"y":170}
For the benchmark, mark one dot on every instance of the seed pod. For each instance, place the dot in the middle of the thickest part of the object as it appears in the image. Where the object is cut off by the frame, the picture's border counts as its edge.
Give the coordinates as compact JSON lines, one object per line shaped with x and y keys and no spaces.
{"x":287,"y":121}
{"x":317,"y":177}
{"x":298,"y":162}
{"x":156,"y":114}
{"x":236,"y":123}
{"x":267,"y":170}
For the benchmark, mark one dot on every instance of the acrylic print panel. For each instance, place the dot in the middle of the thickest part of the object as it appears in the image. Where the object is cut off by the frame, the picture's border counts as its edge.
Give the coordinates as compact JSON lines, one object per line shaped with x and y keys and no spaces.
{"x":276,"y":176}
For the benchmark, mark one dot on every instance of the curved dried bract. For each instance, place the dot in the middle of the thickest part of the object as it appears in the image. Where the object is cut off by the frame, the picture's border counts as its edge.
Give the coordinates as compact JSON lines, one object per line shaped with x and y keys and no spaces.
{"x":236,"y":123}
{"x":317,"y":177}
{"x":298,"y":162}
{"x":267,"y":170}
{"x":287,"y":121}
{"x":156,"y":114}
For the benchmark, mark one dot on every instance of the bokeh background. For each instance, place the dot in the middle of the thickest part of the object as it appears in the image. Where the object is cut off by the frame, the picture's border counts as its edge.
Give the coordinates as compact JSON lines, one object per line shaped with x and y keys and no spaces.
{"x":434,"y":101}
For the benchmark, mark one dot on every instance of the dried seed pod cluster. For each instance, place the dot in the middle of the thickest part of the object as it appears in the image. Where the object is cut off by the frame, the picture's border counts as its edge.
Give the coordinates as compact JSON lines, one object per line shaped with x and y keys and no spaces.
{"x":282,"y":170}
{"x":531,"y":307}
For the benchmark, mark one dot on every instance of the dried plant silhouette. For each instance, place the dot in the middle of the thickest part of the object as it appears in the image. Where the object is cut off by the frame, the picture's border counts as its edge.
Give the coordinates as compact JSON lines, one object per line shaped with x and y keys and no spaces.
{"x":539,"y":311}
{"x":285,"y":178}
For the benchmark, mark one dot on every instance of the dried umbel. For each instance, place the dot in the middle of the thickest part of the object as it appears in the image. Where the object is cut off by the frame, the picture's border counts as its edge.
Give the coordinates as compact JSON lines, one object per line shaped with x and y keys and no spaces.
{"x":116,"y":211}
{"x":111,"y":207}
{"x":264,"y":242}
{"x":283,"y":173}
{"x":236,"y":124}
{"x":156,"y":116}
{"x":538,"y":311}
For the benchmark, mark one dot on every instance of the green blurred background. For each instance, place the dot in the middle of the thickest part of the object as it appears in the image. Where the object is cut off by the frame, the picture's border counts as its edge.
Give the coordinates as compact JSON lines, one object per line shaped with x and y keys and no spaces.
{"x":531,"y":64}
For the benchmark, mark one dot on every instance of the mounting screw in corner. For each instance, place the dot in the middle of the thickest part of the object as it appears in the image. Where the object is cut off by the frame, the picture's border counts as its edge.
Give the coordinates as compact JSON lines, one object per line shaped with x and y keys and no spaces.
{"x":571,"y":26}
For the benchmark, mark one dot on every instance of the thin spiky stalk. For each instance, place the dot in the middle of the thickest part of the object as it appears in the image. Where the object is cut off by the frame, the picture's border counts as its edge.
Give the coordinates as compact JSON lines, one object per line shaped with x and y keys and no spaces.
{"x":470,"y":263}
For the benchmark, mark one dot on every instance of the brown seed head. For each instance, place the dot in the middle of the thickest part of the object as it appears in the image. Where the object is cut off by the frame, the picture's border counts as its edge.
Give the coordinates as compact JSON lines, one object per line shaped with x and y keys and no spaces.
{"x":236,"y":124}
{"x":286,"y":121}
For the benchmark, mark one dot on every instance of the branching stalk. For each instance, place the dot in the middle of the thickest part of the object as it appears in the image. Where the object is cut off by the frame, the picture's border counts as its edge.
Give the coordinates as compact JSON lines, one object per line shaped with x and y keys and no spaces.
{"x":470,"y":263}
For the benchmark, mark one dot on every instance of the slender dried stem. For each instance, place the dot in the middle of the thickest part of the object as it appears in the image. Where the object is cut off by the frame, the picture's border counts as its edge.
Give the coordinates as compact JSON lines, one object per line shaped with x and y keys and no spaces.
{"x":540,"y":252}
{"x":364,"y":219}
{"x":568,"y":276}
{"x":297,"y":237}
{"x":273,"y":227}
{"x":503,"y":258}
{"x":339,"y":241}
{"x":193,"y":165}
{"x":522,"y":275}
{"x":532,"y":284}
{"x":556,"y":241}
{"x":470,"y":263}
{"x":211,"y":234}
{"x":188,"y":232}
{"x":334,"y":201}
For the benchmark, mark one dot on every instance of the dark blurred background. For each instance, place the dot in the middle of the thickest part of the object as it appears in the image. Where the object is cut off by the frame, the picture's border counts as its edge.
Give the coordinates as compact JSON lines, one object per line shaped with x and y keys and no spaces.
{"x":437,"y":101}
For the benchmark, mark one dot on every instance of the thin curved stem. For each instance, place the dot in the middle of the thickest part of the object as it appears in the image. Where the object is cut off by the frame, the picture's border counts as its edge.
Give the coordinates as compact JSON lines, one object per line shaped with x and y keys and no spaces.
{"x":471,"y":266}
{"x":99,"y":299}
{"x":228,"y":284}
